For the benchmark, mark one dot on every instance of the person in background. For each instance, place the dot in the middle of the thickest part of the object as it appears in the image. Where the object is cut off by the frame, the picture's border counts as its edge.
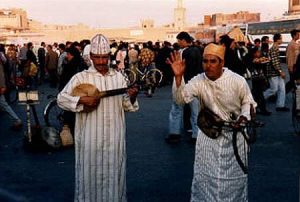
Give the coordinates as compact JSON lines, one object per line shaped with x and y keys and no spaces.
{"x":257,"y":43}
{"x":51,"y":66}
{"x":17,"y":123}
{"x":276,"y":76}
{"x":61,"y":59}
{"x":41,"y":59}
{"x":259,"y":80}
{"x":193,"y":60}
{"x":292,"y":52}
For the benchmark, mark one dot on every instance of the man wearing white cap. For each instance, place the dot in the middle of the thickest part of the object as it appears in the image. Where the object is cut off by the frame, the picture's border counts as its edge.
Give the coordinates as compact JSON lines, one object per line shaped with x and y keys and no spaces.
{"x":100,"y":153}
{"x":217,"y":174}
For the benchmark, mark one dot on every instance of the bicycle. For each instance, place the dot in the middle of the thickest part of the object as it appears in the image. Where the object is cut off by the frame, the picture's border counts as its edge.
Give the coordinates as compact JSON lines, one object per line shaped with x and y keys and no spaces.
{"x":296,"y":110}
{"x":147,"y":78}
{"x":53,"y":114}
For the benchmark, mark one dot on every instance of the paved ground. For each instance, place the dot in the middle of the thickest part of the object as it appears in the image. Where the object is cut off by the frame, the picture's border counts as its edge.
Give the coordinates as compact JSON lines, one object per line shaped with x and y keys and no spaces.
{"x":156,"y":171}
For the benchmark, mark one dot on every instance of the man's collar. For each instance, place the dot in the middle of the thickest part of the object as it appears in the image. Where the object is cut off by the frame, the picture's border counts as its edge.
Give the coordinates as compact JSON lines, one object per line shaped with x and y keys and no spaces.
{"x":110,"y":72}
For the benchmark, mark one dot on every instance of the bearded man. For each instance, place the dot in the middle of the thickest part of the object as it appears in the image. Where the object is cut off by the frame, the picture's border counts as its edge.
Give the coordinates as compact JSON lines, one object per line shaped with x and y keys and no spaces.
{"x":100,"y":152}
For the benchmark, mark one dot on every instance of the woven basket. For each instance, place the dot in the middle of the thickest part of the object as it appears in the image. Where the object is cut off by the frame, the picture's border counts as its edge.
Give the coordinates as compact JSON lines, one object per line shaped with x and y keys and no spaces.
{"x":66,"y":136}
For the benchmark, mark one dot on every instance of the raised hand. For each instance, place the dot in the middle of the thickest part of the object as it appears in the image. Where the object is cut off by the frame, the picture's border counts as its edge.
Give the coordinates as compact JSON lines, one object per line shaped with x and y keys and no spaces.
{"x":177,"y":64}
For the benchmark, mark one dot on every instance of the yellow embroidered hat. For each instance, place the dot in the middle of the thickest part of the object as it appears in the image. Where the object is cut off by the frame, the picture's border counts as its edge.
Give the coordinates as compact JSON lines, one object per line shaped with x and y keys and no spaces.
{"x":214,"y":49}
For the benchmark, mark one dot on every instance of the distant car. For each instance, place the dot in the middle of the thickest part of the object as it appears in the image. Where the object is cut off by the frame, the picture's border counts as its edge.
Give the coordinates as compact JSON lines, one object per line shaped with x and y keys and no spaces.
{"x":282,"y":51}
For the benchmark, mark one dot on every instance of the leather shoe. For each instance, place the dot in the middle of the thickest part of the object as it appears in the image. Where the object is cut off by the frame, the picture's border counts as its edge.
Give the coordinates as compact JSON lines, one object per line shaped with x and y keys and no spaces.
{"x":273,"y":98}
{"x":264,"y":113}
{"x":193,"y":140}
{"x":173,"y":138}
{"x":17,"y":126}
{"x":282,"y":109}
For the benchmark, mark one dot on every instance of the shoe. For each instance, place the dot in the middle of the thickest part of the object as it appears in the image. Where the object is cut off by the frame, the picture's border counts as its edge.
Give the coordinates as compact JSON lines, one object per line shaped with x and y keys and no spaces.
{"x":273,"y":98}
{"x":264,"y":113}
{"x":18,"y":125}
{"x":282,"y":109}
{"x":193,"y":140}
{"x":297,"y":113}
{"x":173,"y":138}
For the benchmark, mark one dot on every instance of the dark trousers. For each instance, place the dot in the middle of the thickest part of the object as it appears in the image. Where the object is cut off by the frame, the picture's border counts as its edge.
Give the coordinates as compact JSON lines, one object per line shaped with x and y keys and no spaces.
{"x":53,"y":77}
{"x":258,"y":87}
{"x":290,"y":84}
{"x":42,"y":72}
{"x":186,"y":117}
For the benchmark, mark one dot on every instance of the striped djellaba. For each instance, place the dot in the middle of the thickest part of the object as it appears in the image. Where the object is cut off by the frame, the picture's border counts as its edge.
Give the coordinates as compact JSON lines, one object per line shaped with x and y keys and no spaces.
{"x":100,"y":149}
{"x":217,"y":175}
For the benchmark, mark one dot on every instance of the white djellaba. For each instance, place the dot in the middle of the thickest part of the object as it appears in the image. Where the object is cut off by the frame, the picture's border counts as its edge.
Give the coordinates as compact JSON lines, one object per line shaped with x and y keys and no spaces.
{"x":100,"y":148}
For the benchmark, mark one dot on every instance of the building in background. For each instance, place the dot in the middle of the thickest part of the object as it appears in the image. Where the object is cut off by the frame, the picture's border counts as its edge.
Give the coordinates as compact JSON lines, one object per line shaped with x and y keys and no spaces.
{"x":15,"y":27}
{"x":179,"y":16}
{"x":235,"y":18}
{"x":294,"y":7}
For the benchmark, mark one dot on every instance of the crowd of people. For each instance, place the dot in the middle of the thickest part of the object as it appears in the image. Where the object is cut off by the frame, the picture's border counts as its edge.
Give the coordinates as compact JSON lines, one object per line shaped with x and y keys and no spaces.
{"x":219,"y":77}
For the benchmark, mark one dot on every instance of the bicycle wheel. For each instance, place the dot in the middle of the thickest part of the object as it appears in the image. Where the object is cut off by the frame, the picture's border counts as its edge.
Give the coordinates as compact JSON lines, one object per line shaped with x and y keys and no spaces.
{"x":130,"y":76}
{"x":154,"y":77}
{"x":53,"y":115}
{"x":295,"y":117}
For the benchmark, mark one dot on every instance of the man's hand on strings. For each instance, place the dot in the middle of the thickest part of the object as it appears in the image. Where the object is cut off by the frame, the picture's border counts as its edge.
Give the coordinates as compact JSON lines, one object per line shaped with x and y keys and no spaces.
{"x":132,"y":92}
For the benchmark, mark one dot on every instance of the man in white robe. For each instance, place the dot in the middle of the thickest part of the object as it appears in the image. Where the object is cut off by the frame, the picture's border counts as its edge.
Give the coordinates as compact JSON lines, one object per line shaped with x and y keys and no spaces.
{"x":100,"y":163}
{"x":217,"y":174}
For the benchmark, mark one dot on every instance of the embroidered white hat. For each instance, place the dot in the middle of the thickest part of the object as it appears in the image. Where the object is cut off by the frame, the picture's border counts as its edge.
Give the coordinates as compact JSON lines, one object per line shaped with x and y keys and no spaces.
{"x":100,"y":45}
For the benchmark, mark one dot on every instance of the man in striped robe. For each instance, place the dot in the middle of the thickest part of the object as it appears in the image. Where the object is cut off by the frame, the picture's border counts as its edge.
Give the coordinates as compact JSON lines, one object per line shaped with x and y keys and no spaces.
{"x":100,"y":163}
{"x":217,"y":174}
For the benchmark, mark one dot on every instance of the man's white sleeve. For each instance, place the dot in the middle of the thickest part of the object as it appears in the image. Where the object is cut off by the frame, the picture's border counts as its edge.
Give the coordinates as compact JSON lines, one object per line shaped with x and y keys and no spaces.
{"x":68,"y":102}
{"x":185,"y":93}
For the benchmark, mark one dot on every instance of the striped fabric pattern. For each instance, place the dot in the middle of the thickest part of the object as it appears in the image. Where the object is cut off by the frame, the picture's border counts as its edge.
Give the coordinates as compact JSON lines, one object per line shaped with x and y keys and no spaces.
{"x":100,"y":45}
{"x":100,"y":149}
{"x":217,"y":175}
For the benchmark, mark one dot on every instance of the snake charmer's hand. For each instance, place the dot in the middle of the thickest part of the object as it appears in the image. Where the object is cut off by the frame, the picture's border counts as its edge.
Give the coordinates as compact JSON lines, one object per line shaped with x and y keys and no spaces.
{"x":237,"y":124}
{"x":177,"y":64}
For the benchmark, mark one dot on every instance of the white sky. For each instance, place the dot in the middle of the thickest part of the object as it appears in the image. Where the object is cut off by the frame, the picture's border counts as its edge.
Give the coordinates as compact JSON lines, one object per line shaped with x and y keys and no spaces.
{"x":126,"y":13}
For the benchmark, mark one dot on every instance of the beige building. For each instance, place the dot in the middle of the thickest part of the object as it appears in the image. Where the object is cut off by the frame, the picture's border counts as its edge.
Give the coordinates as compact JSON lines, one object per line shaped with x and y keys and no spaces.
{"x":235,"y":18}
{"x":13,"y":19}
{"x":294,"y":7}
{"x":17,"y":28}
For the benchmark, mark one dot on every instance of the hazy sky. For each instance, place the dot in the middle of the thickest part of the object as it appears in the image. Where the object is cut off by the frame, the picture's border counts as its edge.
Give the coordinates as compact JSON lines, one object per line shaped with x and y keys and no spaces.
{"x":124,"y":13}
